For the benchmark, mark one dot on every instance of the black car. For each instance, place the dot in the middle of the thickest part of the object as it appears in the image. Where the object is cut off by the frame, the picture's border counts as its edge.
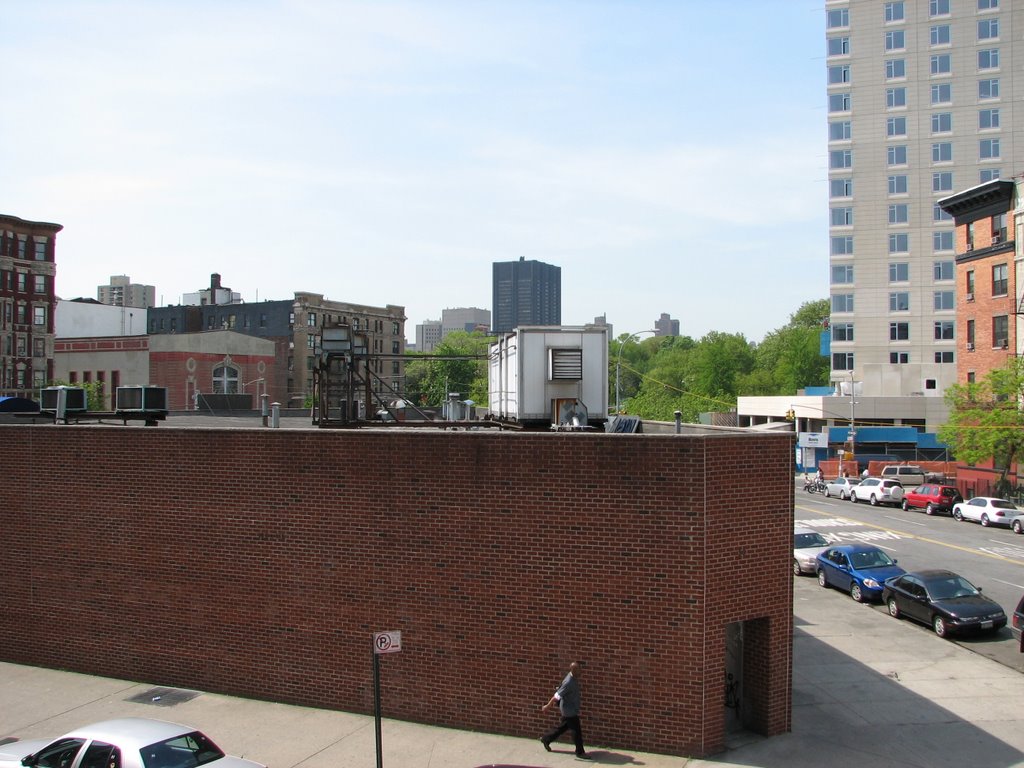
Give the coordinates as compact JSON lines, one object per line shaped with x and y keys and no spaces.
{"x":943,"y":600}
{"x":1017,"y":626}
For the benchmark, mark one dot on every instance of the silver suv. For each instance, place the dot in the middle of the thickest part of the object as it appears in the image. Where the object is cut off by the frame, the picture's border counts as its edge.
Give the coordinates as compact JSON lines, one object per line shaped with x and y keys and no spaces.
{"x":877,"y":490}
{"x":909,"y":475}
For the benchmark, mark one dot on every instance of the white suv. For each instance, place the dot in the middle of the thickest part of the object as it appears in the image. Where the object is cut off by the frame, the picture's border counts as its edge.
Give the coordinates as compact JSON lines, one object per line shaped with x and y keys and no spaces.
{"x":876,"y":490}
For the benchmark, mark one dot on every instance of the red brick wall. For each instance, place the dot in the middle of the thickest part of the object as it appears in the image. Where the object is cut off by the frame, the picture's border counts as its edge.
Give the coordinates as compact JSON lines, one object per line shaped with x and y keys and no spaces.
{"x":259,"y":562}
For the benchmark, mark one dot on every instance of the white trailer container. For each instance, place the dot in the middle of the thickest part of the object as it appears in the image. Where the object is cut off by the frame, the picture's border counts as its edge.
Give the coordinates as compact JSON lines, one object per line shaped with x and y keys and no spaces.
{"x":550,"y":377}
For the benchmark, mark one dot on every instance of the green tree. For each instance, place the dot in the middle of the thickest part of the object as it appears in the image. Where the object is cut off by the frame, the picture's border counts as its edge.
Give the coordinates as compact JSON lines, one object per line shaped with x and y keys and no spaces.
{"x":986,"y":421}
{"x":429,"y":378}
{"x":789,"y":358}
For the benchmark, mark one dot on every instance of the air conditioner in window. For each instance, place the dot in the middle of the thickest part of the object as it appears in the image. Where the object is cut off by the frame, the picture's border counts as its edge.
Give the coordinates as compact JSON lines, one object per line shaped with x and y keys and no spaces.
{"x":970,"y":347}
{"x":970,"y":297}
{"x":1005,"y":344}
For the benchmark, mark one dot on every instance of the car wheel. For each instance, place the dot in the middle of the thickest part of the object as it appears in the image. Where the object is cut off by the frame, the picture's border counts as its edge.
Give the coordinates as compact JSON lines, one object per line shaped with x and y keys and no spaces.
{"x":874,"y":500}
{"x":929,"y":510}
{"x":984,"y":519}
{"x":939,"y":625}
{"x":904,"y":505}
{"x":843,"y":496}
{"x":828,"y":493}
{"x":894,"y":610}
{"x":1017,"y":527}
{"x":822,"y":579}
{"x":796,"y":567}
{"x":958,"y":515}
{"x":853,"y":497}
{"x":855,"y":592}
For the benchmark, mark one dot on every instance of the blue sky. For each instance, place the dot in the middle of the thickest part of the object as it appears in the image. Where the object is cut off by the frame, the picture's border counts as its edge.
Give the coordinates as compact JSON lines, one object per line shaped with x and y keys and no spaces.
{"x":668,"y":156}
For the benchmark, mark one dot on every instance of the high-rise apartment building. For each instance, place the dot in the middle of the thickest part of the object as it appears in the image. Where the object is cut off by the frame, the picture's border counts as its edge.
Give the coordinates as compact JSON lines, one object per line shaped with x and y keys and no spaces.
{"x":921,"y":97}
{"x":526,"y":293}
{"x":122,"y":292}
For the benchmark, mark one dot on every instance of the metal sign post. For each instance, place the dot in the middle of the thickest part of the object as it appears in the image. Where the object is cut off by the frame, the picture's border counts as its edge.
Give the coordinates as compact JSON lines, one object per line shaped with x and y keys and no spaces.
{"x":383,"y":642}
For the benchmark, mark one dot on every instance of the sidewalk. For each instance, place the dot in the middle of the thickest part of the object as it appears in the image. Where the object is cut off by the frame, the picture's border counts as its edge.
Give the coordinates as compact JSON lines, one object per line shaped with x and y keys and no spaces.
{"x":867,"y":691}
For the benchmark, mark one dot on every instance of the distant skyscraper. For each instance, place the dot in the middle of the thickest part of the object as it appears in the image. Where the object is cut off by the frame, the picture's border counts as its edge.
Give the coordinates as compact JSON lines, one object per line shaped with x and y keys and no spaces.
{"x":921,"y":96}
{"x":122,"y":292}
{"x":666,"y":326}
{"x":526,"y":293}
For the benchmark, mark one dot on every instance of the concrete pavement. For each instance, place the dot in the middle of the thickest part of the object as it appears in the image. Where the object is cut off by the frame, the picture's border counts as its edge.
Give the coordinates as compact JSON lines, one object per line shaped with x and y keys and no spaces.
{"x":867,"y":691}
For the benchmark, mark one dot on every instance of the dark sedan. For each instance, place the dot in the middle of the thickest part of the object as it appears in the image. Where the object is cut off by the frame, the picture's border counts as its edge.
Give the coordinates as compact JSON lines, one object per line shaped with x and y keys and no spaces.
{"x":943,"y":600}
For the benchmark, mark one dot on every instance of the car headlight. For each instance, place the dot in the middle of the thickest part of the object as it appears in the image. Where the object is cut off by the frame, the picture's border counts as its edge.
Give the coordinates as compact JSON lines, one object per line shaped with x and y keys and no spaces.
{"x":871,"y":583}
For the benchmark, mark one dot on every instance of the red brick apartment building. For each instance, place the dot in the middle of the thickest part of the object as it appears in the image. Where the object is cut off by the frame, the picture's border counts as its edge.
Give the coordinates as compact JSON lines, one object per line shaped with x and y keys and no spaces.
{"x":258,"y":562}
{"x":27,"y":302}
{"x":989,"y":297}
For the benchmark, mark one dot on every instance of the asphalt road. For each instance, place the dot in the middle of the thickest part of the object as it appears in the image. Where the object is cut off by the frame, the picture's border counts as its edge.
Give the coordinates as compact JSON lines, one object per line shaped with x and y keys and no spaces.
{"x":991,"y":558}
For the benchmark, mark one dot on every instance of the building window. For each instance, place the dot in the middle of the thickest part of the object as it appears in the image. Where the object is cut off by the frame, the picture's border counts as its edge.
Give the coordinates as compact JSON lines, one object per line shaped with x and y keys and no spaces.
{"x":894,"y":11}
{"x":942,"y":241}
{"x":839,"y":131}
{"x":988,"y":29}
{"x":942,"y":93}
{"x":940,"y":34}
{"x":22,"y":282}
{"x":839,"y":102}
{"x":988,"y":5}
{"x":943,"y":270}
{"x":899,"y":213}
{"x":895,"y":97}
{"x":944,"y":357}
{"x":899,"y":302}
{"x":944,"y":330}
{"x":840,"y":17}
{"x":896,"y":154}
{"x":225,"y":380}
{"x":988,"y":58}
{"x":942,"y":152}
{"x":39,"y":283}
{"x":842,"y":273}
{"x":310,"y":341}
{"x":988,"y":118}
{"x":842,"y":302}
{"x":938,"y":214}
{"x":899,"y":331}
{"x":899,"y":358}
{"x":311,"y":320}
{"x":970,"y":334}
{"x":988,"y":174}
{"x":942,"y":182}
{"x":895,"y":68}
{"x":840,"y":188}
{"x":838,"y":74}
{"x":896,"y":126}
{"x":970,"y":285}
{"x":842,"y":332}
{"x":898,"y":185}
{"x":895,"y":40}
{"x":944,"y":300}
{"x":838,"y":46}
{"x":840,"y":158}
{"x":39,"y":247}
{"x":842,"y":361}
{"x":842,"y":246}
{"x":938,"y":8}
{"x":38,"y":347}
{"x":1000,"y":331}
{"x":899,"y":272}
{"x":38,"y":316}
{"x":174,"y":325}
{"x":941,"y":64}
{"x":988,"y":149}
{"x":988,"y":89}
{"x":842,"y":217}
{"x":999,"y":280}
{"x":899,"y":242}
{"x":942,"y":122}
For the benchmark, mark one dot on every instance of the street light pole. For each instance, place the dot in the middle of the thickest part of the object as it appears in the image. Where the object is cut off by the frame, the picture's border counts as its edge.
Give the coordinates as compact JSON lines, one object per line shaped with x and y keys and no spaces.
{"x":618,"y":369}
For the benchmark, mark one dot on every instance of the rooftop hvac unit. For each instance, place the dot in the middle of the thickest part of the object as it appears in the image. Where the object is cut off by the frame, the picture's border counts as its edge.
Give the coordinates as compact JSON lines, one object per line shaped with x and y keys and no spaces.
{"x":141,"y":399}
{"x":74,"y":400}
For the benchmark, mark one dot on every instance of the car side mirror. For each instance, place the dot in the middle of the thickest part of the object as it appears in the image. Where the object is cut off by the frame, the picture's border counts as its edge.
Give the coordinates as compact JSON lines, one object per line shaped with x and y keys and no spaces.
{"x":28,"y":760}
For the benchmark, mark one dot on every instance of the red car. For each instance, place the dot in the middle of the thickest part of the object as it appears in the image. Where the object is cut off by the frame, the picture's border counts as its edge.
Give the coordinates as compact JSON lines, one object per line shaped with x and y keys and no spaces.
{"x":932,"y":498}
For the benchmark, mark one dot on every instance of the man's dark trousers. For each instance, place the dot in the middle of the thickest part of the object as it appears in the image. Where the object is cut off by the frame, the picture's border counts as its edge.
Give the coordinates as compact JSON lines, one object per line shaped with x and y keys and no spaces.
{"x":568,"y":724}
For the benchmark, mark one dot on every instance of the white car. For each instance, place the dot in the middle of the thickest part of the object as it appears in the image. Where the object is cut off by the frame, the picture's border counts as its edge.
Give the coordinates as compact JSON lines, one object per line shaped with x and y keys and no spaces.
{"x":841,"y":487}
{"x":987,"y":510}
{"x":131,"y":742}
{"x":807,"y":543}
{"x":876,"y":490}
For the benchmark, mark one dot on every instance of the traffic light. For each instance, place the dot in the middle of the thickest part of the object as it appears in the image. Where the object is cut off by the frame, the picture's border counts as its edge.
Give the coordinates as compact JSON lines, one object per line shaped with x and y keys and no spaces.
{"x":790,"y":415}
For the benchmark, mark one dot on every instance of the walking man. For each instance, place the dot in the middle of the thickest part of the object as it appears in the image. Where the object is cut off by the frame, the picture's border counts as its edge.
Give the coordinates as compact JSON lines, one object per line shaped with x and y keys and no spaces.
{"x":568,"y":698}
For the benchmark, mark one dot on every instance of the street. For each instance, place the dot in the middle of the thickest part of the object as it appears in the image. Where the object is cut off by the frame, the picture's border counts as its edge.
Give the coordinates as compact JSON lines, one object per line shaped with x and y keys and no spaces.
{"x":991,"y":558}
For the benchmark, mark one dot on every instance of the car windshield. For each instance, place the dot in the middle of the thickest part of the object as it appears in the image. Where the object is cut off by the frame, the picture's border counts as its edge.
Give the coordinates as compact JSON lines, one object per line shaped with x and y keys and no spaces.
{"x":185,"y":751}
{"x":804,"y":540}
{"x":948,"y":588}
{"x":872,"y":559}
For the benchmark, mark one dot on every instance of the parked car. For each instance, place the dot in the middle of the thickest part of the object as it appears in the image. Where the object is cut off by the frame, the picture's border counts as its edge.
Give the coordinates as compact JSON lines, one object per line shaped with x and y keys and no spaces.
{"x":1017,"y":624}
{"x":807,"y":543}
{"x":1017,"y":523}
{"x":131,"y":742}
{"x":909,"y":475}
{"x":841,"y":487}
{"x":876,"y":490}
{"x":858,"y":569}
{"x":986,"y":510}
{"x":932,"y":498}
{"x":943,"y":600}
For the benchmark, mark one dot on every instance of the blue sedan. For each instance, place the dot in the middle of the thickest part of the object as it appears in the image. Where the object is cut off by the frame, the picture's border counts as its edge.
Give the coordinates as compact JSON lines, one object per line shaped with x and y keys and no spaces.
{"x":858,"y":569}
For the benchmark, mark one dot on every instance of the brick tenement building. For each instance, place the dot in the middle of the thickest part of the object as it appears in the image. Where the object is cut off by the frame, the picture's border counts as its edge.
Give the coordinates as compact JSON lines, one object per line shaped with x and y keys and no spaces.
{"x":258,"y":563}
